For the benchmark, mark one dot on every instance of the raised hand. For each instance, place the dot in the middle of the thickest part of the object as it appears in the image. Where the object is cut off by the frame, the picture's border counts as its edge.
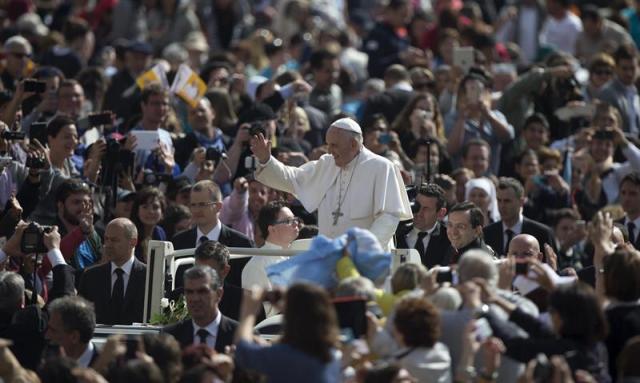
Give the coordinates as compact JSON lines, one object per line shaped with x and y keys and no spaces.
{"x":261,"y":148}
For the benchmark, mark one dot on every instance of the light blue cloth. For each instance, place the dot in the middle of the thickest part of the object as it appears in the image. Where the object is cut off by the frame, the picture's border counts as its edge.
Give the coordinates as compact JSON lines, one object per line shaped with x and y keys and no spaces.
{"x":318,"y":264}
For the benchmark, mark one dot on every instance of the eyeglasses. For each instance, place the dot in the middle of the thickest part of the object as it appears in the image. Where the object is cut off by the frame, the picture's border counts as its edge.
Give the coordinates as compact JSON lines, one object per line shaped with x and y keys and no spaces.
{"x":201,"y":204}
{"x":289,"y":221}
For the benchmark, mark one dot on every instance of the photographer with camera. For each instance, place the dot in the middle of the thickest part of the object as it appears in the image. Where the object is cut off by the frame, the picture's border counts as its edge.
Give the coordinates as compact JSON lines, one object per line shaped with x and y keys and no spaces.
{"x":204,"y":134}
{"x":259,"y":118}
{"x":22,"y":322}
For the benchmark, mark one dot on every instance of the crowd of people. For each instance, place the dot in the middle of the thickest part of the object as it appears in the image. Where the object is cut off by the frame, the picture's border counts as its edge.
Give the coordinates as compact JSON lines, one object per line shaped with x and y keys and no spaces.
{"x":498,"y":139}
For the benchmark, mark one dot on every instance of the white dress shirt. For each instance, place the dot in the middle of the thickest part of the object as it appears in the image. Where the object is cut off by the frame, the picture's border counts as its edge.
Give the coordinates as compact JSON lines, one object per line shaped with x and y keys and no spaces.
{"x":212,"y":328}
{"x":85,"y":359}
{"x":127,"y":273}
{"x":412,"y":237}
{"x":213,"y":235}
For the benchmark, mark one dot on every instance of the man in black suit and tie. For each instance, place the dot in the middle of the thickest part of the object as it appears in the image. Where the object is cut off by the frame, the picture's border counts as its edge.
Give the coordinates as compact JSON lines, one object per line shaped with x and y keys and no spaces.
{"x":72,"y":320}
{"x":630,"y":201}
{"x":207,"y":325}
{"x":205,"y":203}
{"x":511,"y":199}
{"x":116,"y":288}
{"x":428,"y":234}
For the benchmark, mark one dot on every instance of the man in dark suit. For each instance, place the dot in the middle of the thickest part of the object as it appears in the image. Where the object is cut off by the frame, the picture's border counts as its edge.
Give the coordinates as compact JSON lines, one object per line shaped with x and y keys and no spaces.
{"x":205,"y":203}
{"x":511,"y":199}
{"x":428,"y":234}
{"x":393,"y":99}
{"x":207,"y":325}
{"x":117,"y":288}
{"x":630,"y":201}
{"x":22,"y":322}
{"x":72,"y":320}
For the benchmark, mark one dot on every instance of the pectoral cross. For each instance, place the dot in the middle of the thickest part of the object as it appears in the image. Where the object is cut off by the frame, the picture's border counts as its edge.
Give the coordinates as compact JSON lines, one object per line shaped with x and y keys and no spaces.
{"x":336,"y":214}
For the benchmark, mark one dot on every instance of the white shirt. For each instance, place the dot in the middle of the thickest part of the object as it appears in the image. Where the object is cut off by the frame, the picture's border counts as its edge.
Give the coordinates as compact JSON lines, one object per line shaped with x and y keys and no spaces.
{"x":561,"y":33}
{"x":517,"y":230}
{"x":85,"y":359}
{"x":213,"y":235}
{"x":255,"y":271}
{"x":412,"y":237}
{"x":212,"y":328}
{"x":127,"y":273}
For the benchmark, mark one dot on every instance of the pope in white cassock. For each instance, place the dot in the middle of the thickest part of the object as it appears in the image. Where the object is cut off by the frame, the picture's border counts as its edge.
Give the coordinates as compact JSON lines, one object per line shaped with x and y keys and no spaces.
{"x":350,"y":186}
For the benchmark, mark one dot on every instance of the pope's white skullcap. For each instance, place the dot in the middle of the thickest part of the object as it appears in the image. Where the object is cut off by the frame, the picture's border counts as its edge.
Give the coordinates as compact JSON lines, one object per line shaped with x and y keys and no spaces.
{"x":347,"y":124}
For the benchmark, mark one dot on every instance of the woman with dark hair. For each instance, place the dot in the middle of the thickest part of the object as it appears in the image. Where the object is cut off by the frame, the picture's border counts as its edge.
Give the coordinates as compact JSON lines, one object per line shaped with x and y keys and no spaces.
{"x":578,"y":329}
{"x":416,"y":328}
{"x":147,"y":211}
{"x":420,"y":119}
{"x":305,"y":352}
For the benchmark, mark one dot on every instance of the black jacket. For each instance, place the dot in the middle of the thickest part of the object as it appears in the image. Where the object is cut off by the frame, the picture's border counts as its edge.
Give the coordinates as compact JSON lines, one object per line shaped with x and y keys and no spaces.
{"x":27,"y":326}
{"x":95,"y":286}
{"x":439,"y":250}
{"x":183,"y":332}
{"x":477,"y":243}
{"x":385,"y":45}
{"x":624,"y":324}
{"x":228,"y":237}
{"x":493,"y":234}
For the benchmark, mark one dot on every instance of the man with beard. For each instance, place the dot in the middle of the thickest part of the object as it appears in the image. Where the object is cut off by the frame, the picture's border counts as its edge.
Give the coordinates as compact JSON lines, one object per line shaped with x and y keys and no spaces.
{"x":80,"y":241}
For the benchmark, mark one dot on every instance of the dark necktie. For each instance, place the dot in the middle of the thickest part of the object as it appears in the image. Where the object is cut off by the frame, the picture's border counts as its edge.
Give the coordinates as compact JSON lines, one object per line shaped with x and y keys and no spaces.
{"x":631,"y":227}
{"x":202,"y":334}
{"x":202,"y":240}
{"x":117,"y":294}
{"x":420,"y":243}
{"x":510,"y":234}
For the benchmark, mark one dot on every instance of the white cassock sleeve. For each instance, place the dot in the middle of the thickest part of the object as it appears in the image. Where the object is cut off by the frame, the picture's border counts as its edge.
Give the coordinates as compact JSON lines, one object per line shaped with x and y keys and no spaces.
{"x":309,"y":182}
{"x":384,"y":227}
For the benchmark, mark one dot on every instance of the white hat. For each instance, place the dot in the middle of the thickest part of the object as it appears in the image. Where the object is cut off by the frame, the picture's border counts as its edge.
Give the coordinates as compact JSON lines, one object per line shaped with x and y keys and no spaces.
{"x":347,"y":124}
